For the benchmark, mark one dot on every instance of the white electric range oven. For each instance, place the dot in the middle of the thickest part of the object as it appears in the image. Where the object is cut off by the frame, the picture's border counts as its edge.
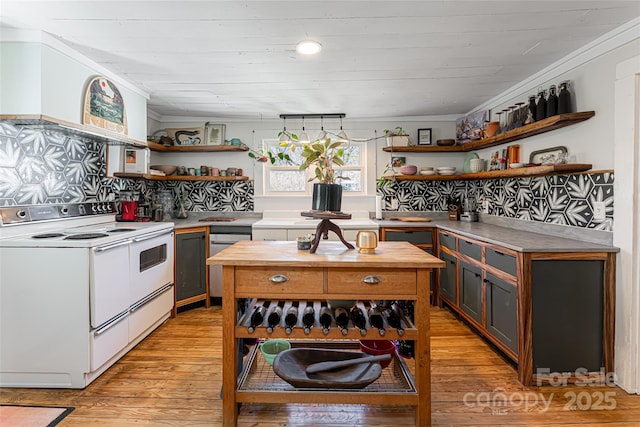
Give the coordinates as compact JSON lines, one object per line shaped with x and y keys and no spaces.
{"x":77,"y":291}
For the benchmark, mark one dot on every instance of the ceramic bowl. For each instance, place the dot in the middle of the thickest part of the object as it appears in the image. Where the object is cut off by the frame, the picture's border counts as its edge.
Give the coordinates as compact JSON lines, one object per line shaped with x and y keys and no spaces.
{"x":516,"y":165}
{"x":446,"y":142}
{"x":271,"y":348}
{"x":167,"y":169}
{"x":446,"y":169}
{"x":408,"y":170}
{"x":476,"y":165}
{"x":428,"y":172}
{"x":378,"y":347}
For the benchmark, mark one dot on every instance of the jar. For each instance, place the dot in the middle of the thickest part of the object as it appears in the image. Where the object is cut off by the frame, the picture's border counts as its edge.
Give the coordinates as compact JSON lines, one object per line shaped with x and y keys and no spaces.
{"x":552,"y":102}
{"x":165,"y":198}
{"x":532,"y":107}
{"x":541,"y":106}
{"x":564,"y":98}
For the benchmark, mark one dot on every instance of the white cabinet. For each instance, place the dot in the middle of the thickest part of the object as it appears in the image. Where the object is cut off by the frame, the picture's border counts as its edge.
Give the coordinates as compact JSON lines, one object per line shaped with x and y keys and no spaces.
{"x":269,"y":234}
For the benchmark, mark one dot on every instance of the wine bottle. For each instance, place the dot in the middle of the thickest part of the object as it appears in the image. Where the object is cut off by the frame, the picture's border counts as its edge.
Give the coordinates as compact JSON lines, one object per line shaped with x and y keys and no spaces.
{"x":275,"y":316}
{"x":395,"y":317}
{"x":375,"y":318}
{"x":564,"y":98}
{"x":258,"y":316}
{"x":308,"y":317}
{"x":532,"y":108}
{"x":358,"y":319}
{"x":291,"y":318}
{"x":541,"y":106}
{"x":342,"y":319}
{"x":325,"y":317}
{"x":552,"y":102}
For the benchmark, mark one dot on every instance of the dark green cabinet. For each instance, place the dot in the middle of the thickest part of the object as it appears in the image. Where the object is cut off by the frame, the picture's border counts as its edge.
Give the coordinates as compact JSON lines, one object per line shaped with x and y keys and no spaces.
{"x":471,"y":290}
{"x":448,"y":278}
{"x":191,"y":272}
{"x":501,"y":304}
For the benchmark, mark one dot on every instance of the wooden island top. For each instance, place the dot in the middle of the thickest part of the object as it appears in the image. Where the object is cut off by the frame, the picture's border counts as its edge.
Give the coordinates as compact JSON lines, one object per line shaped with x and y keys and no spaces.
{"x":329,"y":254}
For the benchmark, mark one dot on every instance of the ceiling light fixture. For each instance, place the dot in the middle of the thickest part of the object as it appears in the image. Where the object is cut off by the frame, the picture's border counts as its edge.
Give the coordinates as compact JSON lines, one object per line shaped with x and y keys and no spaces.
{"x":304,"y":136}
{"x":323,"y":134}
{"x":308,"y":47}
{"x":285,"y":136}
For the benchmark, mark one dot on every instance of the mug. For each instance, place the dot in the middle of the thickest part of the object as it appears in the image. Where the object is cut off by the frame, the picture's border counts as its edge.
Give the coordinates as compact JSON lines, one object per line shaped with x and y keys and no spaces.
{"x":235,"y":141}
{"x":215,"y":172}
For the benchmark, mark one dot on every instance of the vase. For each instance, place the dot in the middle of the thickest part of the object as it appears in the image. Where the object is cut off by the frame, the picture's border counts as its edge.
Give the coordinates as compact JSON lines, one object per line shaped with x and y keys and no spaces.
{"x":327,"y":197}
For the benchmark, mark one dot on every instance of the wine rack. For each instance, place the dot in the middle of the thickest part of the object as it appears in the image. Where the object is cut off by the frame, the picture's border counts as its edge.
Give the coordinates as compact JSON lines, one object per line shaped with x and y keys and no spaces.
{"x":334,"y":332}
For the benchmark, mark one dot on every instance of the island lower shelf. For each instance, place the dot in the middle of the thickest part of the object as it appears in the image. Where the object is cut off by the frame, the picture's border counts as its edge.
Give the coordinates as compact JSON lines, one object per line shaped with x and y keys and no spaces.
{"x":259,"y":380}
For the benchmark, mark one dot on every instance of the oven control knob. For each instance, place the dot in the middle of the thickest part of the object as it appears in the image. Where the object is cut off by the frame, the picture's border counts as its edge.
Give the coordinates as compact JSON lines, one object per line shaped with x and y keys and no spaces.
{"x":64,"y":210}
{"x":21,"y":214}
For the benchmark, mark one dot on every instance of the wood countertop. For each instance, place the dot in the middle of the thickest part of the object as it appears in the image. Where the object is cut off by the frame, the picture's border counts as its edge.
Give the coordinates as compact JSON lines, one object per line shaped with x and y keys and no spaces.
{"x":328,"y":254}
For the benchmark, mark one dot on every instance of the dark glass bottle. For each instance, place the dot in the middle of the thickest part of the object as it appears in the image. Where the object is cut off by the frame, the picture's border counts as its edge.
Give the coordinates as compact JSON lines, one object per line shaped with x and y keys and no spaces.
{"x":258,"y":316}
{"x":291,"y":318}
{"x":394,"y":317}
{"x":552,"y":102}
{"x":274,"y":317}
{"x":532,"y":107}
{"x":406,"y":348}
{"x":325,"y":317}
{"x":342,"y":319}
{"x":376,"y":319}
{"x":541,"y":106}
{"x":308,"y":317}
{"x":564,"y":98}
{"x":358,"y":319}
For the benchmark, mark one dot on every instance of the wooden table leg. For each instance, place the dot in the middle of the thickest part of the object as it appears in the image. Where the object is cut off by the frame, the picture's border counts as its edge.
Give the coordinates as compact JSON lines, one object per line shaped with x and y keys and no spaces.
{"x":423,"y":350}
{"x":229,"y":349}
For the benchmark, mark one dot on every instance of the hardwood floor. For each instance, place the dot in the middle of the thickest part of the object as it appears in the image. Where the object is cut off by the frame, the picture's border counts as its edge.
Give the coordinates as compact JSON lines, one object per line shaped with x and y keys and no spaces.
{"x":173,"y":378}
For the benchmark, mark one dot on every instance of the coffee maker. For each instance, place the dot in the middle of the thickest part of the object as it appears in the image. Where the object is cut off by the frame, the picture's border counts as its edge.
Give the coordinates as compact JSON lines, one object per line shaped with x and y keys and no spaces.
{"x":129,"y":205}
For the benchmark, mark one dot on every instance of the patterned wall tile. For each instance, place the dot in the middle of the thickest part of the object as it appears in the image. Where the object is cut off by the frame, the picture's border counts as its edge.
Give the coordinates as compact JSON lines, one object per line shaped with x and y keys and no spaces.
{"x":45,"y":167}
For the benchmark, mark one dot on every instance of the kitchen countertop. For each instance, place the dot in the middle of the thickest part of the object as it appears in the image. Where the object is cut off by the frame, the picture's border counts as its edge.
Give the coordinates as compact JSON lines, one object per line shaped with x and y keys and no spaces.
{"x":512,"y":238}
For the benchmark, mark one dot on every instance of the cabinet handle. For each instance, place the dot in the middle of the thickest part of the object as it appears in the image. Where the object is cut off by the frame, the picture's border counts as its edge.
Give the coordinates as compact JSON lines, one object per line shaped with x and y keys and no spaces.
{"x":498,"y":252}
{"x":371,"y":280}
{"x":278,"y":278}
{"x":477,"y":275}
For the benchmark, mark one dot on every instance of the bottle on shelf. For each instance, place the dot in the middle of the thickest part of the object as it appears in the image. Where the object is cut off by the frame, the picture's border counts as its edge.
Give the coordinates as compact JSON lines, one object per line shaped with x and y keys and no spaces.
{"x":325,"y":317}
{"x":376,"y":318}
{"x":258,"y":316}
{"x":342,"y":319}
{"x":395,"y":317}
{"x":532,"y":107}
{"x":564,"y":98}
{"x":541,"y":106}
{"x":552,"y":102}
{"x":274,"y":317}
{"x":357,"y":316}
{"x":308,"y":317}
{"x":291,"y":318}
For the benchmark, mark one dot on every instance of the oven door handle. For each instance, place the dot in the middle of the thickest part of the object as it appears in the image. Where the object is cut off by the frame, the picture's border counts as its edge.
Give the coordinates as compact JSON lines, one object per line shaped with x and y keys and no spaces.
{"x":111,"y":246}
{"x":152,"y":236}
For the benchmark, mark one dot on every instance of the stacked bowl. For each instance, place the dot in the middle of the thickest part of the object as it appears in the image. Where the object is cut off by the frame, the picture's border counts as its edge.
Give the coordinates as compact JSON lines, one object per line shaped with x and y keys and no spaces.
{"x":476,"y":165}
{"x":446,"y":170}
{"x":427,"y":170}
{"x":408,"y":170}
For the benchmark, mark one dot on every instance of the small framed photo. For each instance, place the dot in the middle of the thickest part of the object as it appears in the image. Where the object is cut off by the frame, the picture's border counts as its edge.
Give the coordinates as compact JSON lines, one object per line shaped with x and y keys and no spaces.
{"x":213,"y":134}
{"x":398,"y":161}
{"x":424,"y":136}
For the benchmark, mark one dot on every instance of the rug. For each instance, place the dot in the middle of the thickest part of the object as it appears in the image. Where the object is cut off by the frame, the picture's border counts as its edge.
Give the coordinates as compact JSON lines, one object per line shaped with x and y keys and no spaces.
{"x":32,"y":416}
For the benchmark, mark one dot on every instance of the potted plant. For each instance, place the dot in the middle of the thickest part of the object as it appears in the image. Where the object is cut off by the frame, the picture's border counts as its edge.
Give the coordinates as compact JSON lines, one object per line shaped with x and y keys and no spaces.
{"x":323,"y":154}
{"x":397,"y":137}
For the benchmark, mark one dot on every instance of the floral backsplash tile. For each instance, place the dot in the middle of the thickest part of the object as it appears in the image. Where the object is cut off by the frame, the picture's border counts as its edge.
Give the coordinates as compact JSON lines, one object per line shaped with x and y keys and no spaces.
{"x":558,"y":199}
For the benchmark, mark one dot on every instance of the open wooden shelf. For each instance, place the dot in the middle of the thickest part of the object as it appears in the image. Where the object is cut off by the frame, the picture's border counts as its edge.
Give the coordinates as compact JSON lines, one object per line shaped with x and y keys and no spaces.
{"x":73,"y":129}
{"x":507,"y":173}
{"x":178,"y":178}
{"x":541,"y":126}
{"x":153,"y":146}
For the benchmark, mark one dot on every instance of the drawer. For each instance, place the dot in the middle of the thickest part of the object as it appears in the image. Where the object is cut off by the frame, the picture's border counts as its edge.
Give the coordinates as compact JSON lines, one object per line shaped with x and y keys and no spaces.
{"x":501,"y":261}
{"x":389,"y":280}
{"x":470,"y":249}
{"x":447,"y":240}
{"x":273,"y":280}
{"x":416,"y":237}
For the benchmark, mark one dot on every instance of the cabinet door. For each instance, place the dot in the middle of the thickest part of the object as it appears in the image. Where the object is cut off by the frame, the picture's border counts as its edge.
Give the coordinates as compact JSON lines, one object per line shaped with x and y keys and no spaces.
{"x":471,"y":290}
{"x":190,"y":264}
{"x":501,"y":303}
{"x":448,"y":278}
{"x":417,"y":237}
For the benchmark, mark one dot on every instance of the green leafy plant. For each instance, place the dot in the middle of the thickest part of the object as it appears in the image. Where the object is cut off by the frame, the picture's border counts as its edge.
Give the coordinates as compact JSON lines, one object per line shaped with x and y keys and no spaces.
{"x":265,"y":155}
{"x":397,"y":132}
{"x":323,"y":154}
{"x":388,"y":176}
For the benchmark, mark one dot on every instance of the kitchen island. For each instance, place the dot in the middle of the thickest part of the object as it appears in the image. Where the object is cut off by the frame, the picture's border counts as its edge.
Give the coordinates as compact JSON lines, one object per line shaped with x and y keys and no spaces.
{"x":272,"y":270}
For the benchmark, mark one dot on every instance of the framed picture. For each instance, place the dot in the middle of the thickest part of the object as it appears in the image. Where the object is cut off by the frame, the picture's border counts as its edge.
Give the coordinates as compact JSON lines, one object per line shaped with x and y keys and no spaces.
{"x":186,"y":136}
{"x":104,"y":106}
{"x":398,"y":161}
{"x":213,"y":134}
{"x":424,"y":136}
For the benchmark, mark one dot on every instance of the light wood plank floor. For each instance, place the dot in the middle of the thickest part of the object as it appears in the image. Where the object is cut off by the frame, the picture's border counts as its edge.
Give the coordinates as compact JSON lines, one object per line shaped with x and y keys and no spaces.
{"x":173,"y":378}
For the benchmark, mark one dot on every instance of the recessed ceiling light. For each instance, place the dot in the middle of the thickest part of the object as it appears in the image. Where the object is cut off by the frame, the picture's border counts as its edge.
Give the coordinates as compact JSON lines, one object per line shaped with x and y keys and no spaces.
{"x":308,"y":47}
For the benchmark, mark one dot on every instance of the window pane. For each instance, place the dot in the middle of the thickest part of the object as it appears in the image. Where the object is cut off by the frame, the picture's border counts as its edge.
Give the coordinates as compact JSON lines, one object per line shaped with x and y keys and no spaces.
{"x":354,"y":183}
{"x":280,"y":180}
{"x":351,"y":155}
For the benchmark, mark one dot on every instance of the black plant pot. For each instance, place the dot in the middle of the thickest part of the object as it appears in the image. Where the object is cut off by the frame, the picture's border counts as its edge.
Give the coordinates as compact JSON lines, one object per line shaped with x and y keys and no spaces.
{"x":327,"y":197}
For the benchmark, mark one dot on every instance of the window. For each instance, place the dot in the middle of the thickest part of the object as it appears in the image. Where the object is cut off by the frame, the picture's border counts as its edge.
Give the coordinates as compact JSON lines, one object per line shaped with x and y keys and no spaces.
{"x":283,"y":177}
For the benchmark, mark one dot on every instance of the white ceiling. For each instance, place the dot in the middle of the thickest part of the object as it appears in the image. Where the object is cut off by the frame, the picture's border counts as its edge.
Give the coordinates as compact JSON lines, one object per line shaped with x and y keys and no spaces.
{"x":237,"y":59}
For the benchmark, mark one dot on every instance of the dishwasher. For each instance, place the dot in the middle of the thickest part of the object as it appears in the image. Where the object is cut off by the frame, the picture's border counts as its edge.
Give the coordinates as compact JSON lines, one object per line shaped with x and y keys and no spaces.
{"x":221,"y":237}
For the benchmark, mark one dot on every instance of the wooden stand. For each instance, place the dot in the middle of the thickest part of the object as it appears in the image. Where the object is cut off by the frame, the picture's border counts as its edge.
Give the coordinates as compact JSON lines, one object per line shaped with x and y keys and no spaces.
{"x":322,"y":231}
